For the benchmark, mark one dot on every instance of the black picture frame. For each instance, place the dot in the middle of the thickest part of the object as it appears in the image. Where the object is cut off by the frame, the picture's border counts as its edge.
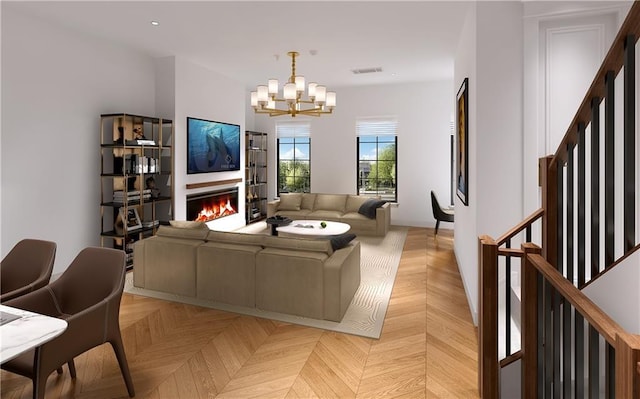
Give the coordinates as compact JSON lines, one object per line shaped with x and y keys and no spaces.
{"x":462,"y":139}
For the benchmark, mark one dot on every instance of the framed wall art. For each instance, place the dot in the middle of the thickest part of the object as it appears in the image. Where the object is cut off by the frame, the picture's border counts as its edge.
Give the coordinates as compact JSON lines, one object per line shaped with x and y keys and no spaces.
{"x":462,"y":139}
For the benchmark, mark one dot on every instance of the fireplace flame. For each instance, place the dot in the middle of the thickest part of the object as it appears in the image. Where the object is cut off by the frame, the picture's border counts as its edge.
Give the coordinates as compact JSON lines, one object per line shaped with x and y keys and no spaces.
{"x":215,"y":211}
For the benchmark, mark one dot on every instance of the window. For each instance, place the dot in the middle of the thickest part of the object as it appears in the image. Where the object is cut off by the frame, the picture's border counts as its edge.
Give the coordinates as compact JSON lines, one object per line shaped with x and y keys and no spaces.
{"x":294,"y":157}
{"x":377,"y":157}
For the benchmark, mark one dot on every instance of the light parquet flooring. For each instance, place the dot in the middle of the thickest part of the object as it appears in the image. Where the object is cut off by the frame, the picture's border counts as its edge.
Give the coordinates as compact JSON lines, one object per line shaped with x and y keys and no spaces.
{"x":428,"y":347}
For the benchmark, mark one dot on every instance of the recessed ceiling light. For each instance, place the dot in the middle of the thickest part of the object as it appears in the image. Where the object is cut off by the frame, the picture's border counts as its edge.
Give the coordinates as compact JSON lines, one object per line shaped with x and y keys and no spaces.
{"x":155,"y":23}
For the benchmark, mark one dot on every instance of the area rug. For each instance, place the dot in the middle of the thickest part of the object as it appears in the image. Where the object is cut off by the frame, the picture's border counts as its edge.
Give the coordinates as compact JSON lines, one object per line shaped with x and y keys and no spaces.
{"x":379,"y":260}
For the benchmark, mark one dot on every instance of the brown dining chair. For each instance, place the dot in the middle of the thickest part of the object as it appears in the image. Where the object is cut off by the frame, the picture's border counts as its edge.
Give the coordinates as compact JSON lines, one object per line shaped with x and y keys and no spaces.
{"x":87,"y":295}
{"x":26,"y":268}
{"x":438,"y":213}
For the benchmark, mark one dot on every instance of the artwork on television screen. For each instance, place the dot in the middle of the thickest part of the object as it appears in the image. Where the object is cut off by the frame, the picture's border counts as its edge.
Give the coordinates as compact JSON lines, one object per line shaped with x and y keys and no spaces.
{"x":212,"y":146}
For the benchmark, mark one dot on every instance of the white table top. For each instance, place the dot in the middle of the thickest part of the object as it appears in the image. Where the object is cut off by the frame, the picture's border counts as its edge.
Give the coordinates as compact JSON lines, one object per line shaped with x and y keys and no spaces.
{"x":27,"y":332}
{"x":332,"y":228}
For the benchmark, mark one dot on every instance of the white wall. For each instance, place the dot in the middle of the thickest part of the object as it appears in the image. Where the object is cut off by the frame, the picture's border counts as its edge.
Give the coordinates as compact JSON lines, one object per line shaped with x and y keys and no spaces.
{"x":466,"y":224}
{"x":424,"y":111}
{"x":205,"y":94}
{"x":55,"y":85}
{"x":617,"y":294}
{"x":490,"y":54}
{"x":554,"y":83}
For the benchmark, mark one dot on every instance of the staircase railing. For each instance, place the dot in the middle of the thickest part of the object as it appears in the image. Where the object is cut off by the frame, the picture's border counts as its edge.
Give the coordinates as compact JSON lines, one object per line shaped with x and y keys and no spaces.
{"x":563,"y":332}
{"x":497,"y":256}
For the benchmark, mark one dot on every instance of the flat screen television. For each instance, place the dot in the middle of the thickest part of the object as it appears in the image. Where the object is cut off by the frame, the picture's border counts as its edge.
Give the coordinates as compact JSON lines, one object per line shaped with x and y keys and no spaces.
{"x":212,"y":146}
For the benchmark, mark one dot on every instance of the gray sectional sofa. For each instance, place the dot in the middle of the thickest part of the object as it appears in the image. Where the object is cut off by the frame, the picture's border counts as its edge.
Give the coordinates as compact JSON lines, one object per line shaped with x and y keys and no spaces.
{"x":304,"y":277}
{"x":365,"y":215}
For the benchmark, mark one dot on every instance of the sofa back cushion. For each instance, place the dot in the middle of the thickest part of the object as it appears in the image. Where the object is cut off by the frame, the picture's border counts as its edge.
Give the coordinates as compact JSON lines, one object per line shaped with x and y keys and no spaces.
{"x":354,"y":202}
{"x":298,"y":244}
{"x":188,"y":233}
{"x":187,"y":224}
{"x":235,"y":238}
{"x":330,"y":202}
{"x":308,"y":199}
{"x":290,"y":202}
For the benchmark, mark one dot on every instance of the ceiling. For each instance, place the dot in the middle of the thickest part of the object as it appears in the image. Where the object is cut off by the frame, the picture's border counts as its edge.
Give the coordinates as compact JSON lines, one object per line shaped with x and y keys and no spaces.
{"x":249,"y":40}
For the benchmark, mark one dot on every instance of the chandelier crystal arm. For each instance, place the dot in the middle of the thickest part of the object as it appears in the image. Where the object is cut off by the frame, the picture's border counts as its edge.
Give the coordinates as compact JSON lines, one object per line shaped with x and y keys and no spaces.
{"x":265,"y":99}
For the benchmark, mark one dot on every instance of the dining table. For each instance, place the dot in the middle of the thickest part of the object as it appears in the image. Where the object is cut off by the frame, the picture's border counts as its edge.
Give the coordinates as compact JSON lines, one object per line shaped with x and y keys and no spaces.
{"x":22,"y":331}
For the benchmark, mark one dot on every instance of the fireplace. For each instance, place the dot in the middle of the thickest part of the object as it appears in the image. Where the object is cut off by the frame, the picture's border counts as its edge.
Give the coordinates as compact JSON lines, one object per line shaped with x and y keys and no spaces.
{"x":212,"y":205}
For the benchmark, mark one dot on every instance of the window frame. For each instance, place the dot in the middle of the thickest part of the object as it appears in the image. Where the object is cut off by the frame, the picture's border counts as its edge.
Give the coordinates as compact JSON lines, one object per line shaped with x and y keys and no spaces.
{"x":358,"y":160}
{"x":289,"y":131}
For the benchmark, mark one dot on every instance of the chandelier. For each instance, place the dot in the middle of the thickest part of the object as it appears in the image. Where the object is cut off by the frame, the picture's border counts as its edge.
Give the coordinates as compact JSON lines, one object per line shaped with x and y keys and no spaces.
{"x":319,"y":101}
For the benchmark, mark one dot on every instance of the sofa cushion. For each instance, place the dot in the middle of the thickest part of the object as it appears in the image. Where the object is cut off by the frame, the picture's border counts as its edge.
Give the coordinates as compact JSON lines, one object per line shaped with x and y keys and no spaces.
{"x":180,"y":255}
{"x":354,"y":202}
{"x":226,"y":273}
{"x":298,"y":244}
{"x":290,"y":202}
{"x":176,"y":232}
{"x":330,"y":202}
{"x":308,"y":199}
{"x":341,"y":240}
{"x":186,"y":224}
{"x":323,"y":214}
{"x":368,"y":208}
{"x":234,"y":238}
{"x":294,"y":215}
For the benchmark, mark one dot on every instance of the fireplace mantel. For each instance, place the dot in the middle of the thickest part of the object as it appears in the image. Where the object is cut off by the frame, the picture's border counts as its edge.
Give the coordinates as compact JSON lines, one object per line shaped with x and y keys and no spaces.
{"x":213,"y":183}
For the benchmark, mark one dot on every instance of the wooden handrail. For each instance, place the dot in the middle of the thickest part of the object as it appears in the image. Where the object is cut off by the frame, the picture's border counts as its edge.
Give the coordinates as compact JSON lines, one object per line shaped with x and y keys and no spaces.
{"x":511,"y":358}
{"x":513,"y":252}
{"x":612,"y":62}
{"x":604,"y":324}
{"x":520,"y":226}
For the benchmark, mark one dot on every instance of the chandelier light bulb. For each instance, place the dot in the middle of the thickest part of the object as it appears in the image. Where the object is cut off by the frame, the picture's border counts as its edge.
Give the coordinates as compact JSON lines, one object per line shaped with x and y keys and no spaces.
{"x":331,"y":99}
{"x":263,"y":95}
{"x":273,"y":86}
{"x":290,"y":92}
{"x":312,"y":90}
{"x":254,"y":99}
{"x":321,"y":94}
{"x":271,"y":104}
{"x":300,"y":84}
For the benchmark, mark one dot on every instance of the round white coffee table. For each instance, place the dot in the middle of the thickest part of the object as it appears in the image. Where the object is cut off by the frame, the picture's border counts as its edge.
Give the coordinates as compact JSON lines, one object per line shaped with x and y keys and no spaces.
{"x":313,"y":228}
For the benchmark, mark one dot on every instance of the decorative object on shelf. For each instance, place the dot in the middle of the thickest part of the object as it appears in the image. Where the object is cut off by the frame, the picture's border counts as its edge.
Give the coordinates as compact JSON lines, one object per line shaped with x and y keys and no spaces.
{"x":120,"y":139}
{"x":150,"y":183}
{"x":319,"y":101}
{"x":130,"y":221}
{"x":137,"y":134}
{"x":462,"y":171}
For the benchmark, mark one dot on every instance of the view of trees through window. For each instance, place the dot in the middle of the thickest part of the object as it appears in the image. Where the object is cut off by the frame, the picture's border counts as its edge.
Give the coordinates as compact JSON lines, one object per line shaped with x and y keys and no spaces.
{"x":294,"y":171}
{"x":377,"y":166}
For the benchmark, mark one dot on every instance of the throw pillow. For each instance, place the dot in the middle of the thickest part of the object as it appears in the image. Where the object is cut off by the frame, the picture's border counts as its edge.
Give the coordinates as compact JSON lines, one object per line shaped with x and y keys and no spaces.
{"x":341,"y":240}
{"x":368,"y":209}
{"x":290,"y":202}
{"x":185,"y":224}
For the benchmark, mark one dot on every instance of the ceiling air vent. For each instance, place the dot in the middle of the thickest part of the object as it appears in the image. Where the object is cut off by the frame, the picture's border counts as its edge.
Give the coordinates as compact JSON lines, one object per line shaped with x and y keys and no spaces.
{"x":366,"y":70}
